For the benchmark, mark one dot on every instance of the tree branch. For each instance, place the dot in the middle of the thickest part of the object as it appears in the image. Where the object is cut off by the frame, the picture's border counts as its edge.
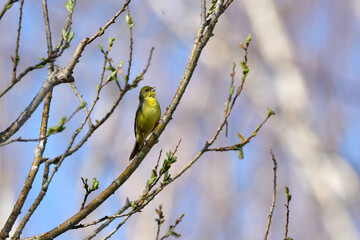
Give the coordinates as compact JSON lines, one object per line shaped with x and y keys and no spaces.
{"x":16,"y":59}
{"x":287,"y":205}
{"x":274,"y":196}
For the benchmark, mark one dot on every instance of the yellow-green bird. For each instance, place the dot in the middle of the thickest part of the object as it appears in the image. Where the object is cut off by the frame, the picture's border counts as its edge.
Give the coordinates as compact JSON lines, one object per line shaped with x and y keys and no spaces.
{"x":146,"y":118}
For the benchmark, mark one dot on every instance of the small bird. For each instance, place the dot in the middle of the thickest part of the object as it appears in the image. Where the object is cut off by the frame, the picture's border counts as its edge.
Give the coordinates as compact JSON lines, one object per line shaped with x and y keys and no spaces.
{"x":146,"y":118}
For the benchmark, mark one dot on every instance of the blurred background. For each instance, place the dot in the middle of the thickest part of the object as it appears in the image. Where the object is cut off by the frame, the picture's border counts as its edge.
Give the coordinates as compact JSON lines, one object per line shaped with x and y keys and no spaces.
{"x":304,"y":64}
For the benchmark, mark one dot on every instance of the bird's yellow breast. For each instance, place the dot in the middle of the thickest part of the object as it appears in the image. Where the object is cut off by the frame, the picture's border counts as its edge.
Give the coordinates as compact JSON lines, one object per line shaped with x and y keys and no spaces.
{"x":149,"y":116}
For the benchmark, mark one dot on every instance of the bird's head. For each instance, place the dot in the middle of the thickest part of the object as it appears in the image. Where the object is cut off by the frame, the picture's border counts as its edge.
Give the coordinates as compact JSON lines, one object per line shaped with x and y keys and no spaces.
{"x":147,"y":92}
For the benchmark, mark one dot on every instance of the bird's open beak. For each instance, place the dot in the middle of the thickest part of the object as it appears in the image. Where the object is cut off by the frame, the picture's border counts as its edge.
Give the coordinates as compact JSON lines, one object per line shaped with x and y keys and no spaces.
{"x":153,"y":89}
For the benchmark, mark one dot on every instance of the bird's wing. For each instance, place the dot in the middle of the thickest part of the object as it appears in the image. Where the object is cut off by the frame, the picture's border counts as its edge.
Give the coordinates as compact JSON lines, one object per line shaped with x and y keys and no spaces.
{"x":138,"y":111}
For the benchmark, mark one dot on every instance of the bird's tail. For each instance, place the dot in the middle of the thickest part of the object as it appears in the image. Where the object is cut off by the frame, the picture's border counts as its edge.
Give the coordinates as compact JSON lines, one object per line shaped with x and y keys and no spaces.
{"x":134,"y":151}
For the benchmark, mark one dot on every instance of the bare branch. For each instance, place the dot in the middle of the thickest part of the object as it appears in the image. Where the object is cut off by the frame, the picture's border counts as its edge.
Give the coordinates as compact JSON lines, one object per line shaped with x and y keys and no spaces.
{"x":16,"y":58}
{"x":172,"y":228}
{"x":81,"y":101}
{"x":287,"y":205}
{"x":48,"y":34}
{"x":67,"y":28}
{"x":274,"y":196}
{"x":159,"y":221}
{"x":131,"y":42}
{"x":20,"y":139}
{"x":117,"y":227}
{"x":88,"y":189}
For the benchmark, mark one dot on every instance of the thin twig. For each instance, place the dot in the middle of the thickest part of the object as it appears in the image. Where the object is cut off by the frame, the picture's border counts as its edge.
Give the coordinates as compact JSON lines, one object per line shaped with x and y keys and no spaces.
{"x":67,"y":28}
{"x":87,"y":193}
{"x":20,"y":139}
{"x":274,"y":197}
{"x":117,"y":227}
{"x":48,"y":34}
{"x":118,"y":214}
{"x":88,"y":189}
{"x":287,"y":205}
{"x":131,"y":43}
{"x":81,"y":101}
{"x":231,"y":92}
{"x":172,"y":228}
{"x":159,"y":220}
{"x":16,"y":59}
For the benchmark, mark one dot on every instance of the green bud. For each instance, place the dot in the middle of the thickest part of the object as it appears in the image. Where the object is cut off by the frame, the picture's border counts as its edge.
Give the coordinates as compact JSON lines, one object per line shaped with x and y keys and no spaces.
{"x":246,"y":71}
{"x":64,"y":33}
{"x":248,"y":39}
{"x":270,"y":112}
{"x":102,"y":30}
{"x":96,"y":185}
{"x":111,"y":68}
{"x":71,"y":36}
{"x":111,"y":41}
{"x":232,"y":90}
{"x":83,"y":104}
